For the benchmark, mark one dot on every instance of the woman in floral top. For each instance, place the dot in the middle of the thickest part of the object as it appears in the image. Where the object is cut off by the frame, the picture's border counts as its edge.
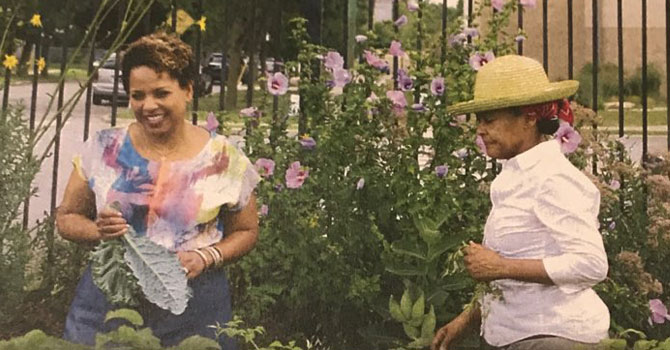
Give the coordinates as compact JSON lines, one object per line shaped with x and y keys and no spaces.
{"x":184,"y":187}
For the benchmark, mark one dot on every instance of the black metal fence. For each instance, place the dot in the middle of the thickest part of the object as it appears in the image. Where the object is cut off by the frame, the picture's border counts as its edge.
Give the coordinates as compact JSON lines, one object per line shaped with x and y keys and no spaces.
{"x":395,"y":14}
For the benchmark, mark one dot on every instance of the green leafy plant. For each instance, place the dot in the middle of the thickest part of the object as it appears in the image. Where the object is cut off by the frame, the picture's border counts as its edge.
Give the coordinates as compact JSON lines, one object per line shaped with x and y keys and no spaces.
{"x":119,"y":266}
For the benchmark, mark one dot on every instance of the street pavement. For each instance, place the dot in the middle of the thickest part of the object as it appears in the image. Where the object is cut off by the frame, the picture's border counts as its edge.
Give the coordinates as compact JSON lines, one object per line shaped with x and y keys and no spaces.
{"x":73,"y":132}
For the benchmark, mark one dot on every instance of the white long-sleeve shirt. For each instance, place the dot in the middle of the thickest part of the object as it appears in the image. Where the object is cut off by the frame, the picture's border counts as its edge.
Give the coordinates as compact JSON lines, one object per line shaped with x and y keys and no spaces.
{"x":545,"y":208}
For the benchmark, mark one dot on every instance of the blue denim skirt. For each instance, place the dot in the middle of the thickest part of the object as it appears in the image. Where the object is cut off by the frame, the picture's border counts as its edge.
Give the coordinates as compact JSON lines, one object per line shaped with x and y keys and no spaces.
{"x":210,"y":304}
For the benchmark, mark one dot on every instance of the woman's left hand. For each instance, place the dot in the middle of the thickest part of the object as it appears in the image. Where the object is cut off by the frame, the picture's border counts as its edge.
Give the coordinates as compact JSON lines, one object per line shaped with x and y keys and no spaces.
{"x":483,"y":264}
{"x":192,"y":263}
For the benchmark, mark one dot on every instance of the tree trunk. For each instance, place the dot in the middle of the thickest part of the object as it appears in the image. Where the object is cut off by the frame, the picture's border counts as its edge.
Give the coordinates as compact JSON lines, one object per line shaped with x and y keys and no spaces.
{"x":234,"y":58}
{"x":22,"y":67}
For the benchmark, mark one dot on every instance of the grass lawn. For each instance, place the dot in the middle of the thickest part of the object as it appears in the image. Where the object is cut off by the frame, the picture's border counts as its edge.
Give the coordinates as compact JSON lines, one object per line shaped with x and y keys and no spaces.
{"x":54,"y":75}
{"x":633,"y":118}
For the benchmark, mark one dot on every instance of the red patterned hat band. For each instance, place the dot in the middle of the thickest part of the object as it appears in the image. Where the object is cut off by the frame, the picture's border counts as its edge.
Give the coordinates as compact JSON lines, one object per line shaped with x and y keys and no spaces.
{"x":549,"y":110}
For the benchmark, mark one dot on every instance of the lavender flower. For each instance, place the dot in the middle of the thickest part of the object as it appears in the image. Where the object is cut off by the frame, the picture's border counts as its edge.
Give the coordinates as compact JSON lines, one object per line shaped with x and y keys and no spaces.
{"x":375,"y":61}
{"x":412,"y":6}
{"x":334,"y":61}
{"x":212,"y":122}
{"x":497,"y":4}
{"x":277,"y":84}
{"x":437,"y":86}
{"x":478,"y":60}
{"x":568,"y":138}
{"x":659,"y":312}
{"x":307,"y":142}
{"x":296,"y":175}
{"x":520,"y":38}
{"x":615,"y":184}
{"x":405,"y":81}
{"x":264,"y":210}
{"x":471,"y":32}
{"x":265,"y":167}
{"x":401,"y":21}
{"x":398,"y":100}
{"x":441,"y":170}
{"x":341,"y":77}
{"x":418,"y":107}
{"x":250,"y":112}
{"x":396,"y":49}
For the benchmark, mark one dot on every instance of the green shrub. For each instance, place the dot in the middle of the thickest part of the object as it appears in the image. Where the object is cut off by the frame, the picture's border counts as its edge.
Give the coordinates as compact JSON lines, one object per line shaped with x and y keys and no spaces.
{"x":633,"y":84}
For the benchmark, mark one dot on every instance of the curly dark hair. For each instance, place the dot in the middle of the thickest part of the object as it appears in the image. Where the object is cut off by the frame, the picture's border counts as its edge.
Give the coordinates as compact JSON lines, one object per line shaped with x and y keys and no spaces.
{"x":163,"y":53}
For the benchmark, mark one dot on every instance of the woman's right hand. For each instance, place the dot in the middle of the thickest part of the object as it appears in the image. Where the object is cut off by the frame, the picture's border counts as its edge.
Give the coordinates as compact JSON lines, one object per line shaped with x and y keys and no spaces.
{"x":447,"y":334}
{"x":111,"y":224}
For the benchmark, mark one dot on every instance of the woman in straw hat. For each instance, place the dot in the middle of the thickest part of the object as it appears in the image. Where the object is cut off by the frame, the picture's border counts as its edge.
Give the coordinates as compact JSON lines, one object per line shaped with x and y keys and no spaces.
{"x":542,"y":251}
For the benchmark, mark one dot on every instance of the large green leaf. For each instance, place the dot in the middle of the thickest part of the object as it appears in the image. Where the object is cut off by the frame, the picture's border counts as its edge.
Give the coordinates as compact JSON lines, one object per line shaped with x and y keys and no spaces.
{"x":402,"y":269}
{"x":428,"y":326}
{"x":409,"y":248}
{"x":112,"y":275}
{"x":437,"y":247}
{"x":159,"y":273}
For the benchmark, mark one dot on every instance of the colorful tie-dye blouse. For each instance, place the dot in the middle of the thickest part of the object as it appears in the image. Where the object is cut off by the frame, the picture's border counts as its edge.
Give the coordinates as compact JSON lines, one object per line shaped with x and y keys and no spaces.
{"x":175,"y":203}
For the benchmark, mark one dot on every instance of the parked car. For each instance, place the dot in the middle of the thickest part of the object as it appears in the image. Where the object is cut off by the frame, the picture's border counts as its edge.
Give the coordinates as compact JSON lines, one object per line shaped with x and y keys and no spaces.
{"x":103,"y":86}
{"x":213,"y":63}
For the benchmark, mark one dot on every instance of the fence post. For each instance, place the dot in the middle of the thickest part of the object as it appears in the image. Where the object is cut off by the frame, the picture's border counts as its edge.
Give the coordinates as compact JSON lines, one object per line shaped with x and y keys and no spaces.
{"x":5,"y":92}
{"x":570,"y":42}
{"x":667,"y":68}
{"x":117,"y":62}
{"x":198,"y":44}
{"x":33,"y":110}
{"x":59,"y":126}
{"x":89,"y":90}
{"x":545,"y":36}
{"x":395,"y":15}
{"x":174,"y":16}
{"x":620,"y":63}
{"x":645,"y":140}
{"x":595,"y":72}
{"x":519,"y":10}
{"x":443,"y":42}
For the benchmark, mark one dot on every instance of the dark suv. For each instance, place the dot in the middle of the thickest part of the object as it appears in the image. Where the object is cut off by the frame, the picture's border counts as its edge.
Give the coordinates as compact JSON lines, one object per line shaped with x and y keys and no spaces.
{"x":212,"y":67}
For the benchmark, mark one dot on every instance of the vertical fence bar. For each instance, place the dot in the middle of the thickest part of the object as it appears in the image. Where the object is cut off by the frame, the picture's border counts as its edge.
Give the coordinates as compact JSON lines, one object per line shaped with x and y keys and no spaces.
{"x":419,"y":47}
{"x":667,"y":68}
{"x":395,"y":14}
{"x":33,"y":94}
{"x":645,"y":138}
{"x":59,"y":122}
{"x":174,"y":16}
{"x":223,"y":72}
{"x":519,"y":44}
{"x":33,"y":111}
{"x":89,"y":90}
{"x":443,"y":42}
{"x":545,"y":36}
{"x":571,"y":61}
{"x":5,"y":91}
{"x":371,"y":15}
{"x":117,"y":63}
{"x":619,"y":19}
{"x":198,"y":48}
{"x":594,"y":39}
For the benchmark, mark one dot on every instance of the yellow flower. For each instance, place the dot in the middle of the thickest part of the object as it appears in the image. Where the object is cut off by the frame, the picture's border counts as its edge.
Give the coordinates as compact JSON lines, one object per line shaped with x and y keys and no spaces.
{"x":304,"y":136}
{"x":36,"y":21}
{"x":41,"y":63}
{"x":10,"y":61}
{"x":203,"y":23}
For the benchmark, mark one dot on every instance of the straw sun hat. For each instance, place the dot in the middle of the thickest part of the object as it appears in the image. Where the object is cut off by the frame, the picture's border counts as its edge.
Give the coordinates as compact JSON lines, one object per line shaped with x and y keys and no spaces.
{"x":512,"y":81}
